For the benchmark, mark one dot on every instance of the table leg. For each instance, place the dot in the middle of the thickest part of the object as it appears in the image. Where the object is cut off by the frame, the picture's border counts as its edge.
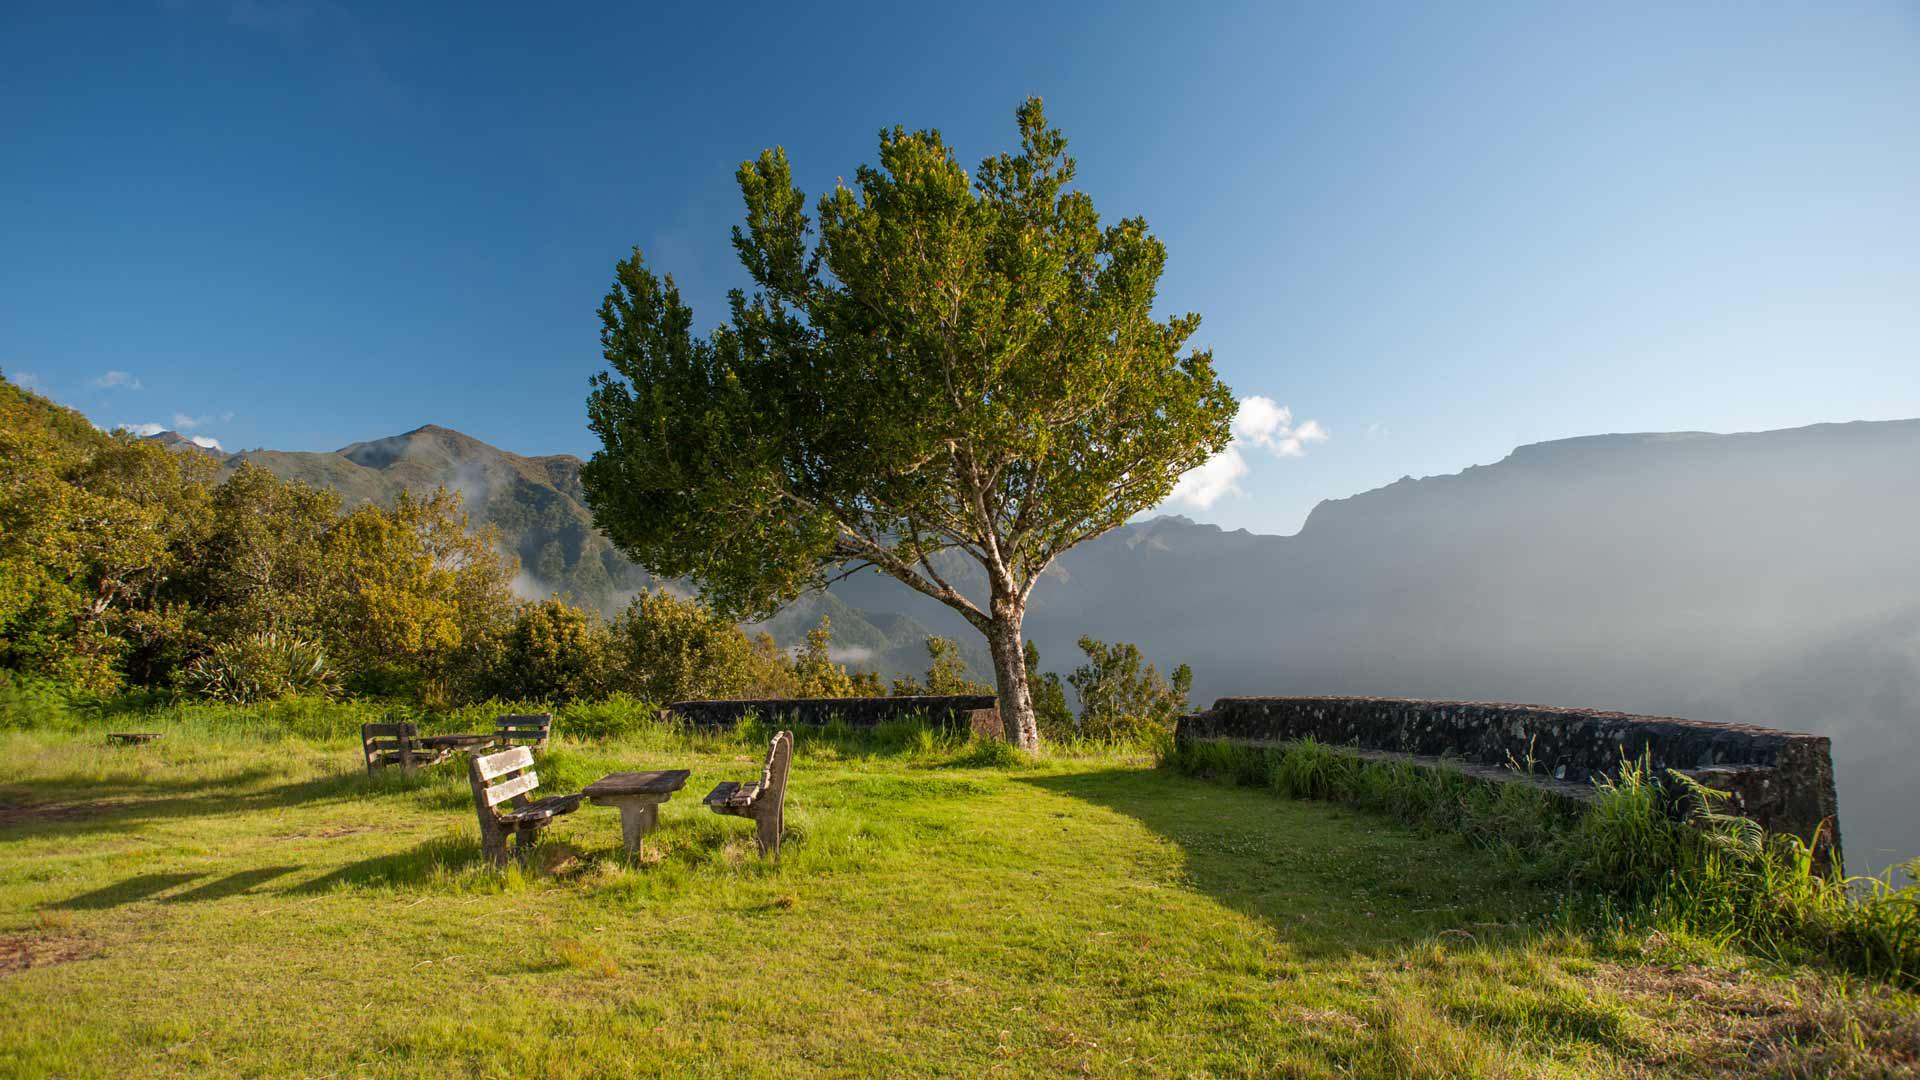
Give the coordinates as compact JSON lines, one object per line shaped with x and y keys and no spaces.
{"x":633,"y":825}
{"x":637,"y":819}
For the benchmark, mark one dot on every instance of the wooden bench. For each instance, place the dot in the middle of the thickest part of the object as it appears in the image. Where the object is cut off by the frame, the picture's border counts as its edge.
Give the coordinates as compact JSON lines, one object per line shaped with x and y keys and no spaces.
{"x":532,"y":731}
{"x":765,"y":801}
{"x":505,"y":779}
{"x":398,"y":744}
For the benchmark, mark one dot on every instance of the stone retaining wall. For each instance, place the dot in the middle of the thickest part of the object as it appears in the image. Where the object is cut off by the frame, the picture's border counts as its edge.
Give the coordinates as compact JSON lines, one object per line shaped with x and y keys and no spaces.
{"x":1781,"y":779}
{"x":975,"y":711}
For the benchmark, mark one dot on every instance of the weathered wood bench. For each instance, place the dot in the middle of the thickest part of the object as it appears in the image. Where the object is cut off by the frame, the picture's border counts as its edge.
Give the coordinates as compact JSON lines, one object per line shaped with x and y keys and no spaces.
{"x":765,"y":801}
{"x":531,"y":730}
{"x":398,"y":744}
{"x":505,"y":779}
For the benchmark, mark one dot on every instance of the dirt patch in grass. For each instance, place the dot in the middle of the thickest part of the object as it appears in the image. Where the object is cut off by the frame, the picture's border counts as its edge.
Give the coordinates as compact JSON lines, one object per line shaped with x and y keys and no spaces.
{"x":327,"y":834}
{"x":20,"y":951}
{"x":12,"y":813}
{"x":1749,"y":1026}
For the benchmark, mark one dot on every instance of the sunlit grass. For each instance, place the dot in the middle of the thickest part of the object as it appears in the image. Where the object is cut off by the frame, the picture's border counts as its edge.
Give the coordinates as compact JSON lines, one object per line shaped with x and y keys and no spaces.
{"x":228,"y":901}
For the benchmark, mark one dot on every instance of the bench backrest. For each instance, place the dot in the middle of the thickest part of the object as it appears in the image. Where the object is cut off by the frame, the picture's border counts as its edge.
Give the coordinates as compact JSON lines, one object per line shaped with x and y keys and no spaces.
{"x":378,"y":739}
{"x":773,"y":777}
{"x":533,"y":730}
{"x":505,"y":777}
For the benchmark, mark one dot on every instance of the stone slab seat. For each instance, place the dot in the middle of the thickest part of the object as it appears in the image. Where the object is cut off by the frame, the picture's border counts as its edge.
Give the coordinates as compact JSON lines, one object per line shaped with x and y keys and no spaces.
{"x":764,"y":800}
{"x":507,"y":779}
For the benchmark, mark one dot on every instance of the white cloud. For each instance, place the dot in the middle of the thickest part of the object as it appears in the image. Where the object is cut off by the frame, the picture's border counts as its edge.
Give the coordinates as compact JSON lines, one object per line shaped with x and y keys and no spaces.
{"x":117,"y":380}
{"x":1220,"y":476}
{"x":206,"y":442}
{"x":144,"y":430}
{"x":183,"y":422}
{"x":1262,"y":423}
{"x":851,"y":654}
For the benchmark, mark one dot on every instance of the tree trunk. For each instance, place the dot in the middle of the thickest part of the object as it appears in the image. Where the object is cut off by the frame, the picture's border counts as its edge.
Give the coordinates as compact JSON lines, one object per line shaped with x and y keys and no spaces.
{"x":1010,"y":675}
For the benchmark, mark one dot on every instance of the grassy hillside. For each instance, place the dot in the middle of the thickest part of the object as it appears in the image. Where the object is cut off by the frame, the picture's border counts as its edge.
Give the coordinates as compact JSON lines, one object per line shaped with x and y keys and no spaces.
{"x":540,"y":509}
{"x":231,"y":903}
{"x":535,"y":502}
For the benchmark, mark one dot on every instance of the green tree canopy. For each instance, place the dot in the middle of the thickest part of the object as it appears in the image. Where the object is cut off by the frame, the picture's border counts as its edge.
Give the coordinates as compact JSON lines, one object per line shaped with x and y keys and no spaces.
{"x":944,"y":362}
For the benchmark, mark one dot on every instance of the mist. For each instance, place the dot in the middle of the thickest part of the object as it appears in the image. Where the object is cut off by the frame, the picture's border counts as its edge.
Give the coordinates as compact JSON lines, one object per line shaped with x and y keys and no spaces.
{"x":1765,"y":578}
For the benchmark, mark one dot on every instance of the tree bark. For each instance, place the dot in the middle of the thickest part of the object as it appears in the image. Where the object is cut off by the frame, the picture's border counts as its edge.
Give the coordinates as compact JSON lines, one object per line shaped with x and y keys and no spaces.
{"x":1010,"y":674}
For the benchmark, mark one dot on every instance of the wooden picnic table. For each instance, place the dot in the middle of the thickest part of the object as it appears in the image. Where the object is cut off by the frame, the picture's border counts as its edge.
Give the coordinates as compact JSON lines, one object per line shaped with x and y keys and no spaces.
{"x":638,"y":795}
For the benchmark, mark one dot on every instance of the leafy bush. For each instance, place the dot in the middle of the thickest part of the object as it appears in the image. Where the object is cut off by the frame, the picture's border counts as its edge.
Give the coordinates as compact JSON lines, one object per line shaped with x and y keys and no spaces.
{"x":1122,"y":701}
{"x":31,"y":702}
{"x":946,"y":673}
{"x":553,"y":652}
{"x":261,"y":667}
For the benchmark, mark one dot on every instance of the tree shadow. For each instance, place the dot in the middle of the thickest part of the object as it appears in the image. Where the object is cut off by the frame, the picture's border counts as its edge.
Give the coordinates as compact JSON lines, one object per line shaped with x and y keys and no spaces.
{"x":232,"y":885}
{"x":78,"y":807}
{"x":132,"y":890}
{"x":1330,"y":880}
{"x":418,"y":865}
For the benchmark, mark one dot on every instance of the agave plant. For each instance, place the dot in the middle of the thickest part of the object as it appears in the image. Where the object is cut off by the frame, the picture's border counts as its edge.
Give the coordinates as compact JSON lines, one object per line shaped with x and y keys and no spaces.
{"x":260,"y":667}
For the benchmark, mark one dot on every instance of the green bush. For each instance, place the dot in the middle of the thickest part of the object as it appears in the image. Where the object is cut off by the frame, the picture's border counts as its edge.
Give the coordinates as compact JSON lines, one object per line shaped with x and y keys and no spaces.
{"x":261,"y":667}
{"x":32,"y":703}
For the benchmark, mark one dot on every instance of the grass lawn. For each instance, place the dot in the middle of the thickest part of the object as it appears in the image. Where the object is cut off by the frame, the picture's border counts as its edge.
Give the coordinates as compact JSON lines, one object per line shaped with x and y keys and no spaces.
{"x":240,"y":904}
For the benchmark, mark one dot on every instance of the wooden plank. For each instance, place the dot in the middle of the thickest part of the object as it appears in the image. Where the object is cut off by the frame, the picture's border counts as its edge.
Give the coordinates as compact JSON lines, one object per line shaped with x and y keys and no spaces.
{"x":504,"y":762}
{"x":507,"y":789}
{"x":386,"y":729}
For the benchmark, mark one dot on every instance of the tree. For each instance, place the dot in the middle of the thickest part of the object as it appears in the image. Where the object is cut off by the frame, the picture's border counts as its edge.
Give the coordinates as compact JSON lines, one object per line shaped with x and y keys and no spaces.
{"x":946,"y":672}
{"x":816,"y":675}
{"x":409,"y":590}
{"x":951,"y":367}
{"x":1050,"y":709}
{"x":679,"y":650}
{"x":553,"y":652}
{"x":1120,"y":700}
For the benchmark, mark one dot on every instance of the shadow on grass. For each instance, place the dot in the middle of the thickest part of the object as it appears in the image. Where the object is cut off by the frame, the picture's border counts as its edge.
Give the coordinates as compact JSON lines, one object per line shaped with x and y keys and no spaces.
{"x":130,"y":891}
{"x":418,"y":865}
{"x":232,"y":885}
{"x":68,"y":807}
{"x":1329,"y":880}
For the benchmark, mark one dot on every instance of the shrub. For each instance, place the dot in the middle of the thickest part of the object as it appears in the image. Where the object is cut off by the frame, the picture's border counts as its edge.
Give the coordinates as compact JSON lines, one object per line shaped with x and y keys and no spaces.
{"x":1050,"y":711}
{"x":33,"y":703}
{"x":261,"y":667}
{"x":1122,"y":701}
{"x":553,"y":652}
{"x":946,"y":672}
{"x":671,"y":649}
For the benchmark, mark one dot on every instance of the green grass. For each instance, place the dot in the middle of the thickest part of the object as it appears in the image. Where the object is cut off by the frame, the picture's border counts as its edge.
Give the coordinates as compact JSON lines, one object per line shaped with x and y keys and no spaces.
{"x":1658,"y":847}
{"x":234,"y":900}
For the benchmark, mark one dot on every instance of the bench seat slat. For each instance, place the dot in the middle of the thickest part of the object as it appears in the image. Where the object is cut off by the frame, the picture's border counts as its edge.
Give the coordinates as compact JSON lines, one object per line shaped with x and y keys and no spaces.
{"x":549,"y":807}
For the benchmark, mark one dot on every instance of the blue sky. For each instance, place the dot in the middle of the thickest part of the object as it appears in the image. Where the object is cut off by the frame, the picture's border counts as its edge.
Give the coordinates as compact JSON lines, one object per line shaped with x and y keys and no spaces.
{"x":1434,"y":231}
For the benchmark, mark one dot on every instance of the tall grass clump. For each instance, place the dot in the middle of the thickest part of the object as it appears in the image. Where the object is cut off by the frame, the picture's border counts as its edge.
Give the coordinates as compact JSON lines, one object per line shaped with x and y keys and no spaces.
{"x":1662,"y":849}
{"x":1670,"y":848}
